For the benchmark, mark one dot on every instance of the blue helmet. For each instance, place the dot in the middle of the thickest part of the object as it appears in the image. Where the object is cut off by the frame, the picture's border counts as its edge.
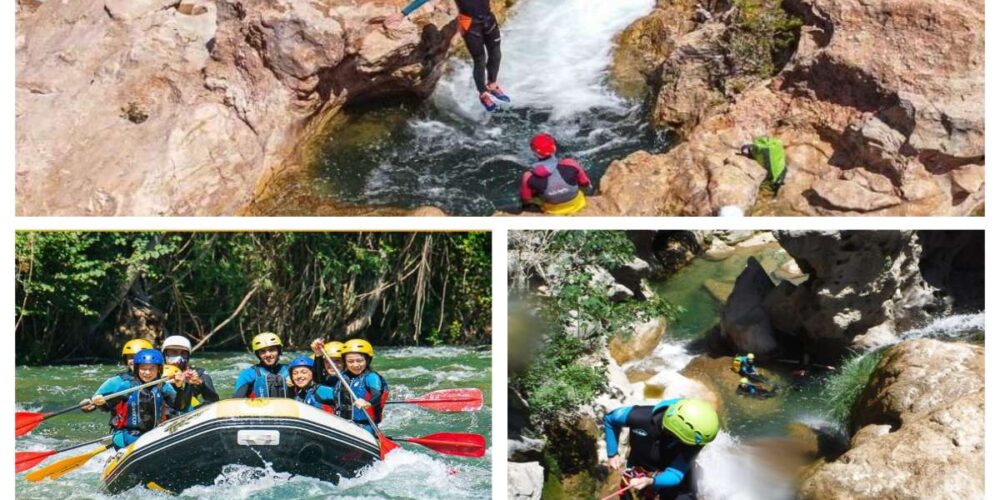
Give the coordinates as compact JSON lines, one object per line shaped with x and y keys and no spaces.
{"x":148,"y":357}
{"x":300,"y":361}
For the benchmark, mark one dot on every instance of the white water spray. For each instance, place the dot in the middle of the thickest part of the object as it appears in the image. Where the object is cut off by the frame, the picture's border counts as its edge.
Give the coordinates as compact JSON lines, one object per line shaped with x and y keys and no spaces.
{"x":725,"y":471}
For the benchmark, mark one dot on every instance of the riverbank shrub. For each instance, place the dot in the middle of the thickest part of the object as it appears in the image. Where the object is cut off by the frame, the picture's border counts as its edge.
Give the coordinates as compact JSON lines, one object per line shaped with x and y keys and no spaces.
{"x":82,"y":294}
{"x":843,"y":388}
{"x":760,"y":38}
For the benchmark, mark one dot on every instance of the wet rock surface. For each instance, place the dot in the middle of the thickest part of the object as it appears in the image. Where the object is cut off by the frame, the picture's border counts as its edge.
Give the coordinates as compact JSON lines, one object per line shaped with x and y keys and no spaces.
{"x":182,"y":108}
{"x":880,"y":110}
{"x":920,"y":428}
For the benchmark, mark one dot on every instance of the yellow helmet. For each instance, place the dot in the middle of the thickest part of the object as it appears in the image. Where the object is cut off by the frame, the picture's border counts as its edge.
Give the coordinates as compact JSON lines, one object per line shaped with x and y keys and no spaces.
{"x":135,"y":345}
{"x":358,"y":346}
{"x":170,"y":370}
{"x":744,"y":380}
{"x":750,"y":356}
{"x":334,"y":349}
{"x":262,"y":340}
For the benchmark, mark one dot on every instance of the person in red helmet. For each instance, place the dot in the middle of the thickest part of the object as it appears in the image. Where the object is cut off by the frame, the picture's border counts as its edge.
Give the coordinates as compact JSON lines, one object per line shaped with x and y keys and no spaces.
{"x":553,"y":184}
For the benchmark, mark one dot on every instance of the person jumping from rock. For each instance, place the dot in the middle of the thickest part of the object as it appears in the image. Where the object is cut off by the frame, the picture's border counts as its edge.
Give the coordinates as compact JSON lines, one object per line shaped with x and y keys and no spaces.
{"x":481,"y":33}
{"x":553,"y":184}
{"x":663,"y":442}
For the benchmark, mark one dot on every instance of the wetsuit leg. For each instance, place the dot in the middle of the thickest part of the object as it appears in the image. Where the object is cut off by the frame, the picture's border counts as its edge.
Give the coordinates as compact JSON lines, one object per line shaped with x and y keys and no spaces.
{"x":491,"y":38}
{"x":475,"y":42}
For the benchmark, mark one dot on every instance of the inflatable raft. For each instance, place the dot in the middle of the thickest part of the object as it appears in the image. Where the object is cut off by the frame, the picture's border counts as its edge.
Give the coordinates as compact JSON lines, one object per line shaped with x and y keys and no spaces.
{"x":289,"y":436}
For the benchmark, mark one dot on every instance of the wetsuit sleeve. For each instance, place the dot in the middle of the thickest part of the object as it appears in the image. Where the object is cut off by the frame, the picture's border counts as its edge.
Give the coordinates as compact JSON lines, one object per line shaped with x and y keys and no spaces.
{"x":326,"y":394}
{"x":170,"y":394}
{"x":412,"y":6}
{"x":375,"y":388}
{"x":674,"y":474}
{"x":613,"y":423}
{"x":207,"y":389}
{"x":526,"y":193}
{"x":110,"y":386}
{"x":581,"y":175}
{"x":244,"y":384}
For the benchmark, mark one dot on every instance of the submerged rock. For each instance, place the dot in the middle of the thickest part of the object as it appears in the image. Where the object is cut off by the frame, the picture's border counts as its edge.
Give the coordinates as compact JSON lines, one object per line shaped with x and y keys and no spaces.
{"x":921,"y":428}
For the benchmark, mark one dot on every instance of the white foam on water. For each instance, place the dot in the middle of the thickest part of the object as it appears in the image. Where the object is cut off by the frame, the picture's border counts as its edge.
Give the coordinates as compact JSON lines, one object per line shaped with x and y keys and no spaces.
{"x":951,"y":327}
{"x":725,"y":471}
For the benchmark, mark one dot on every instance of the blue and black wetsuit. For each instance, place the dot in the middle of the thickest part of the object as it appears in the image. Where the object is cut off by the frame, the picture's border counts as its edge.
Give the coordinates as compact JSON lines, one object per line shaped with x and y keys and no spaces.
{"x":138,"y":412}
{"x":317,"y":395}
{"x":371,"y":387}
{"x":259,"y":381}
{"x":653,"y":449}
{"x":481,"y":33}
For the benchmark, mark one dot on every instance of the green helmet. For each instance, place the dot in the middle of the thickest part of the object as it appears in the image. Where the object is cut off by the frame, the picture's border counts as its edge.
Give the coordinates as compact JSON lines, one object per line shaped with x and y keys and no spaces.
{"x":693,"y":421}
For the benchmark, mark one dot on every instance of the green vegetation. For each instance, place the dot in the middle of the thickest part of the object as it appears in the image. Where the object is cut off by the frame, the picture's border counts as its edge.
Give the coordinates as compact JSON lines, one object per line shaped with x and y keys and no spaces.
{"x":760,"y":38}
{"x":82,"y":294}
{"x":575,"y":322}
{"x":843,"y":389}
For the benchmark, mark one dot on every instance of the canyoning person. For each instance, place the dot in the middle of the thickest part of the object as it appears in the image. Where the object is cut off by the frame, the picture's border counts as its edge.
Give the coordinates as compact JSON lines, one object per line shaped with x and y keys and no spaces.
{"x":198,"y":387}
{"x":268,"y":378}
{"x":745,"y":366}
{"x":748,"y":388}
{"x":481,"y":33}
{"x":304,"y":389}
{"x":141,"y":410}
{"x":368,"y":386}
{"x":554,"y":185}
{"x":325,"y":375}
{"x":663,"y":439}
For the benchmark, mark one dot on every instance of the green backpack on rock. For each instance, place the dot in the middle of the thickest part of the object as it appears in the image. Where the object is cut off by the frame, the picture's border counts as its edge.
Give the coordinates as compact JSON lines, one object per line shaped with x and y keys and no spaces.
{"x":770,"y":153}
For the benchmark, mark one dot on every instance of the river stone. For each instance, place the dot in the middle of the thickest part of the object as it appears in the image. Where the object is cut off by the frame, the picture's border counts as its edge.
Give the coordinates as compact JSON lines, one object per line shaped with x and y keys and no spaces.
{"x":744,"y":320}
{"x":789,"y":271}
{"x":640,"y":344}
{"x":718,"y":251}
{"x":525,"y":480}
{"x":720,"y":290}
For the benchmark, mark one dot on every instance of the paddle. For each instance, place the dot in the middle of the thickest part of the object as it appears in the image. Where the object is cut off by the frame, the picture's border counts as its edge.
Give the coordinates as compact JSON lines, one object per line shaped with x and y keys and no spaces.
{"x":452,"y":443}
{"x":24,"y":460}
{"x":448,"y":400}
{"x":65,"y":466}
{"x":27,"y":421}
{"x":385,"y":445}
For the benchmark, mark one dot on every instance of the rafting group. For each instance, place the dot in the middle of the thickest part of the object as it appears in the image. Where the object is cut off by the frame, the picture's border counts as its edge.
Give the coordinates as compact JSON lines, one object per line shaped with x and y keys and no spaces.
{"x":160,"y":386}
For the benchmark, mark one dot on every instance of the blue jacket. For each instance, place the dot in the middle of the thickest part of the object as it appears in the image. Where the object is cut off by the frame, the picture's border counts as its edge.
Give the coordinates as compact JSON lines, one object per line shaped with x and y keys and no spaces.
{"x":317,"y":396}
{"x":127,"y":413}
{"x":674,"y":473}
{"x":371,"y":387}
{"x":252,"y":382}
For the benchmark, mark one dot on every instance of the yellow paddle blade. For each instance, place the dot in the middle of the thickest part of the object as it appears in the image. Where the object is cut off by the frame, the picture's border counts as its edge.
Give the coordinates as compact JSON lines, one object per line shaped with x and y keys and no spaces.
{"x":64,"y":466}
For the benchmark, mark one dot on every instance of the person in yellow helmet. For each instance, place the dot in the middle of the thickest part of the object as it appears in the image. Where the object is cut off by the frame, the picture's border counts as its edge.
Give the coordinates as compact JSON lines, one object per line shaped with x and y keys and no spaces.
{"x":268,"y":378}
{"x":746,"y":387}
{"x":664,"y":440}
{"x":327,"y":376}
{"x":368,"y":386}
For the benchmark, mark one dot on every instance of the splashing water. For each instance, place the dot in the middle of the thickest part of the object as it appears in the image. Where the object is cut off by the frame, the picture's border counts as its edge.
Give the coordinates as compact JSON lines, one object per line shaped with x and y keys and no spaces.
{"x":958,"y":326}
{"x":724,"y":470}
{"x":448,"y":152}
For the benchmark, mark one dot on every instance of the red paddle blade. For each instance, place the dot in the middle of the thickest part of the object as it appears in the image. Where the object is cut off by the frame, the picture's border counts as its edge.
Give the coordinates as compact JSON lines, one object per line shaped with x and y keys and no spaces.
{"x":450,"y":400}
{"x":24,"y":460}
{"x":452,"y":443}
{"x":26,"y":421}
{"x":385,"y":445}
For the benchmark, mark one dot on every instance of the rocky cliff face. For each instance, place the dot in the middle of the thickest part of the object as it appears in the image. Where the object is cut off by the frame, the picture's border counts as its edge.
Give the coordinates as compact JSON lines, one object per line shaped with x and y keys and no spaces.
{"x":880,"y":110}
{"x":864,"y":288}
{"x":156,"y":107}
{"x":919,"y":428}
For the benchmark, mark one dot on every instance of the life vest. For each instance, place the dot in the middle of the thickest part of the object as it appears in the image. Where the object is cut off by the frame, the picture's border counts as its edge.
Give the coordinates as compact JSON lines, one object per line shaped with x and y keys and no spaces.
{"x":652,"y":447}
{"x":361,"y":389}
{"x":737,"y":363}
{"x":270,"y":385}
{"x":141,"y":411}
{"x":557,"y":190}
{"x":310,"y":398}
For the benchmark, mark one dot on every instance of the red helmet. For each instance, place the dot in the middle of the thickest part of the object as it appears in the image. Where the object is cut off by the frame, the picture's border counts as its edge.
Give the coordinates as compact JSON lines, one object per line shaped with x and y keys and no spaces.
{"x":544,"y":145}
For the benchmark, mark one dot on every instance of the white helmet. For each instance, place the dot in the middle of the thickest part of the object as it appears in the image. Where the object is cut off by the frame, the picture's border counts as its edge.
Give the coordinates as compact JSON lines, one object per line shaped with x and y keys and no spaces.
{"x":176,"y":342}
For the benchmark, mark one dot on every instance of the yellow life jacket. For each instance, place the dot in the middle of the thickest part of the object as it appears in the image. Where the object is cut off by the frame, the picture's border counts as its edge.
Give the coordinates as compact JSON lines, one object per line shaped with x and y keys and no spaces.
{"x":737,"y":362}
{"x":566,"y":208}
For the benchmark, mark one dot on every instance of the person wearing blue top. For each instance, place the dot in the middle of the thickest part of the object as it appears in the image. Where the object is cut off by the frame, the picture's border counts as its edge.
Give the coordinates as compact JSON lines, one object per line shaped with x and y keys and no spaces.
{"x":139,"y":411}
{"x":325,"y":374}
{"x":305,"y":390}
{"x":663,"y":439}
{"x":370,"y":389}
{"x":267,"y":379}
{"x":481,"y":33}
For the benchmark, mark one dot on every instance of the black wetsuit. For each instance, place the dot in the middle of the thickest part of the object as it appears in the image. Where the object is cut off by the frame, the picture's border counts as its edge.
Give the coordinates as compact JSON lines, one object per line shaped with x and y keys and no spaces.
{"x":481,"y":33}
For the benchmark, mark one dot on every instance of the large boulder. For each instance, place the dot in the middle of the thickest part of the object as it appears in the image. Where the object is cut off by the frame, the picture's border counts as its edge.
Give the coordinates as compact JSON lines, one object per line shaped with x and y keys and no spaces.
{"x":875,"y":119}
{"x":921,"y":429}
{"x":525,"y":480}
{"x":153,"y":107}
{"x":639,"y":343}
{"x":744,"y":321}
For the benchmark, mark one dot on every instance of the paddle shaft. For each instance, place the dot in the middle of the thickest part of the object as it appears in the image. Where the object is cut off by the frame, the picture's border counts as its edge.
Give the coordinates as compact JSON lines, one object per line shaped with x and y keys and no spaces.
{"x":354,"y":399}
{"x":130,"y":390}
{"x":81,"y":445}
{"x":417,"y":401}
